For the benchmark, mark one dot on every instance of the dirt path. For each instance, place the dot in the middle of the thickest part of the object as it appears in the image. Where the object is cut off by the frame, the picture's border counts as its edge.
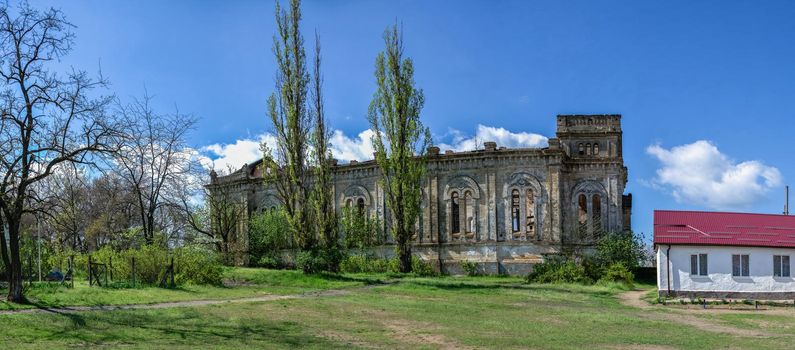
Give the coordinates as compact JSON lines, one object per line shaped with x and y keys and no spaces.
{"x":684,"y":316}
{"x":187,"y":303}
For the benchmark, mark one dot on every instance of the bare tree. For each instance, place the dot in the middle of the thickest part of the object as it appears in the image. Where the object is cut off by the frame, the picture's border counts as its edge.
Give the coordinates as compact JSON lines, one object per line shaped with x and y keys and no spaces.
{"x":218,"y":218}
{"x":152,"y":158}
{"x":45,"y":119}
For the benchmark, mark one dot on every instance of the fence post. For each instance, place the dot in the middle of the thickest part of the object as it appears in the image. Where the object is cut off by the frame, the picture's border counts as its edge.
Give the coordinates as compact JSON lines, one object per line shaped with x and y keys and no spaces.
{"x":89,"y":271}
{"x":172,"y":273}
{"x":133,"y":271}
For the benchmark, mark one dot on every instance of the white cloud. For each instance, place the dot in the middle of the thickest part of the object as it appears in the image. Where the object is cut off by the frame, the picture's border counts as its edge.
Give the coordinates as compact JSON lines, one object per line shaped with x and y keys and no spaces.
{"x":346,"y":149}
{"x":223,"y":157}
{"x":501,"y":136}
{"x":698,"y":173}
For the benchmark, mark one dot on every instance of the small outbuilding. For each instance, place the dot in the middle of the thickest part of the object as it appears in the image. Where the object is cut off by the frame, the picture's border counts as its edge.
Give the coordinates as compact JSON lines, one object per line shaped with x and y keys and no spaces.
{"x":724,"y":255}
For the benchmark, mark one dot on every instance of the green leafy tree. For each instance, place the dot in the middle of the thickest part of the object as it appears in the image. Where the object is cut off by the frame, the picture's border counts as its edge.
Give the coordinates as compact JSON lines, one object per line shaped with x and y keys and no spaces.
{"x":324,"y":216}
{"x":400,"y":140}
{"x":286,"y":166}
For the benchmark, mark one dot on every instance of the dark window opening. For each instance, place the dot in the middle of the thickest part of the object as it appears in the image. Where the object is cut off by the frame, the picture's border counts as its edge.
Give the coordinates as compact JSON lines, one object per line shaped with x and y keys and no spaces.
{"x":454,"y":213}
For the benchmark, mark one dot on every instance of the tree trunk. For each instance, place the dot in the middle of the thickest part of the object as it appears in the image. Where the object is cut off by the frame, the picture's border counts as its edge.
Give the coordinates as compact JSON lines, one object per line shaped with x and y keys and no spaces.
{"x":404,"y":250}
{"x":15,"y":280}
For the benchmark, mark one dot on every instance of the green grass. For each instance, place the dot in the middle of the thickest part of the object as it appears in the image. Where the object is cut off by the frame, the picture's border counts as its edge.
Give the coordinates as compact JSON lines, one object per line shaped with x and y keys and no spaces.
{"x":415,"y":312}
{"x":242,"y":282}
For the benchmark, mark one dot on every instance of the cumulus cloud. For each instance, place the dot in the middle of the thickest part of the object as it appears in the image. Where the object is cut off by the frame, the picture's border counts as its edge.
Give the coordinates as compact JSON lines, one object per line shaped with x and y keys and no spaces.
{"x":346,"y":149}
{"x":698,"y":173}
{"x":501,"y":136}
{"x":232,"y":156}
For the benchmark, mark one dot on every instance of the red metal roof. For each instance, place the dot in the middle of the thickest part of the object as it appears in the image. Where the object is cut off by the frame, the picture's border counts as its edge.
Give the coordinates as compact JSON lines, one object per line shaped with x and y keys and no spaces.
{"x":720,"y":228}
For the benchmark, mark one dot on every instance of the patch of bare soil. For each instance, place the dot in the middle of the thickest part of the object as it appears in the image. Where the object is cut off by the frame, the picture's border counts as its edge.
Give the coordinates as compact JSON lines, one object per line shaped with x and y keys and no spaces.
{"x":684,"y":316}
{"x":641,"y":347}
{"x":406,"y":332}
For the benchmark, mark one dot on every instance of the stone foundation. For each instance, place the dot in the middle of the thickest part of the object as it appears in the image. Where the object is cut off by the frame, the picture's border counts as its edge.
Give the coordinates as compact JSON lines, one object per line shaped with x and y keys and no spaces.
{"x":728,"y":295}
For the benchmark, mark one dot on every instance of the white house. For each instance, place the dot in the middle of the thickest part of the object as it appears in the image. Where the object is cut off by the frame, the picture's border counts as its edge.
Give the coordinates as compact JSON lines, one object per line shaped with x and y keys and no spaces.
{"x":724,"y":255}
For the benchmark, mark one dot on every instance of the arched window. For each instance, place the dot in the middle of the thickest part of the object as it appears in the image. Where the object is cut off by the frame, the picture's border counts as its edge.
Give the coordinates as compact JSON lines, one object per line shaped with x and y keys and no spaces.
{"x":582,"y":212}
{"x":596,"y":215}
{"x":469,"y":212}
{"x":515,"y":210}
{"x":360,"y":205}
{"x":596,"y":149}
{"x":587,"y":149}
{"x":455,"y":225}
{"x":530,"y":220}
{"x":348,"y":203}
{"x":581,"y":149}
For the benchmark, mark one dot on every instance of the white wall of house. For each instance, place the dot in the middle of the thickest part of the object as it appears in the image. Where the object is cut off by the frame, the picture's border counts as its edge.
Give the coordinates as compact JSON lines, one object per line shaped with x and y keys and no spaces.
{"x":719,"y":268}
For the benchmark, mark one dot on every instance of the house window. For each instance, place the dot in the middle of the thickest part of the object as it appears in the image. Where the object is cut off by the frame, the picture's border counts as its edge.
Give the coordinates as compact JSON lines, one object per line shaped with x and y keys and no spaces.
{"x":454,"y":213}
{"x":515,"y":210}
{"x":698,"y":265}
{"x":781,"y":265}
{"x":740,"y":265}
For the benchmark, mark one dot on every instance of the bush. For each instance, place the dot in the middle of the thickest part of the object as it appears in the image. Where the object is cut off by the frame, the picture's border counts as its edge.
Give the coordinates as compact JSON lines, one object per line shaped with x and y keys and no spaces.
{"x":470,"y":268}
{"x":558,"y":270}
{"x":269,"y":233}
{"x":621,"y":247}
{"x":617,"y":272}
{"x":366,"y":264}
{"x":359,"y":230}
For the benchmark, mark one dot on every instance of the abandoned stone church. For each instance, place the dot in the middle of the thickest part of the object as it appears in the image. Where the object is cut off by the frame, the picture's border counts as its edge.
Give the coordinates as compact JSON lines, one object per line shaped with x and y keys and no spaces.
{"x":503,"y":208}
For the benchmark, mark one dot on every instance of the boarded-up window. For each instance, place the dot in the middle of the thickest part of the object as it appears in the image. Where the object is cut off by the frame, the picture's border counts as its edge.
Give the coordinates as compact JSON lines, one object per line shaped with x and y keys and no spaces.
{"x":530,"y":220}
{"x":455,"y":213}
{"x":515,"y":210}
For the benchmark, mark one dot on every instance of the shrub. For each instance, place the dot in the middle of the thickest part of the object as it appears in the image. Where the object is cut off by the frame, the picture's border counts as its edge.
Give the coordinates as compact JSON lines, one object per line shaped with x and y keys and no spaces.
{"x":621,"y":247}
{"x":366,"y":264}
{"x":617,"y":272}
{"x":470,"y":268}
{"x":269,"y":233}
{"x":359,"y":230}
{"x":558,"y":270}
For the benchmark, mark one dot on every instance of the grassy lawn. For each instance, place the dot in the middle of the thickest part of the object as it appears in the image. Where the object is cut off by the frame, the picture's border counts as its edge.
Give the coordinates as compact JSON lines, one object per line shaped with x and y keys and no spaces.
{"x":240,"y":283}
{"x":446,"y":312}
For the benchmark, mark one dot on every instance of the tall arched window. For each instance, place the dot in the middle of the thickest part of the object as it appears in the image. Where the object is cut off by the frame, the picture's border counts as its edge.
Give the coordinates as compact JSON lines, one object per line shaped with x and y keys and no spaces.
{"x":348,"y":203}
{"x":596,"y":216}
{"x":582,"y":212}
{"x":581,"y":149}
{"x":360,"y":205}
{"x":469,"y":212}
{"x":515,"y":210}
{"x":596,"y":149}
{"x":587,"y":149}
{"x":530,"y":220}
{"x":455,"y":225}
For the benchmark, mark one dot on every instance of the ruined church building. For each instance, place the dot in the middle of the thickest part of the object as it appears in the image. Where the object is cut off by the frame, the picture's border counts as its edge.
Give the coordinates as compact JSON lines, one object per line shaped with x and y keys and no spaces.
{"x":500,"y":207}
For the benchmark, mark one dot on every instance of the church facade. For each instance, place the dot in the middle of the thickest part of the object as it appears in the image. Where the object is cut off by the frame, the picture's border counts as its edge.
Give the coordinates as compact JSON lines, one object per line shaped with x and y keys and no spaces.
{"x":502,"y":208}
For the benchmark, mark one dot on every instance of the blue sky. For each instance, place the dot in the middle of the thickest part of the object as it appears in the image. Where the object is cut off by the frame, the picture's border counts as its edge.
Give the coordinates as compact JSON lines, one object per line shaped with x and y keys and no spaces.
{"x":707,"y":88}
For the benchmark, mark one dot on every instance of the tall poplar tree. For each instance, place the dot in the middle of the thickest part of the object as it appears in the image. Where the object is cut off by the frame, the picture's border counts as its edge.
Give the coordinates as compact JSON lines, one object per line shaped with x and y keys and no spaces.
{"x":286,"y":167}
{"x":400,"y":140}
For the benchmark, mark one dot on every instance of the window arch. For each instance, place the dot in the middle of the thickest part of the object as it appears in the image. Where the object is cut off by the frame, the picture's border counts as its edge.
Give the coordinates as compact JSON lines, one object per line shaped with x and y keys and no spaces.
{"x":587,"y":149}
{"x":581,"y":149}
{"x":582,"y":210}
{"x":455,"y":219}
{"x":596,"y":149}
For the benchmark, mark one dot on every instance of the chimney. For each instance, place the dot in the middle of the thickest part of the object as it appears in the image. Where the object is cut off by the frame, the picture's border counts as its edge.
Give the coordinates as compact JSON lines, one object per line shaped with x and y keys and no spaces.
{"x":786,"y":200}
{"x":490,"y":146}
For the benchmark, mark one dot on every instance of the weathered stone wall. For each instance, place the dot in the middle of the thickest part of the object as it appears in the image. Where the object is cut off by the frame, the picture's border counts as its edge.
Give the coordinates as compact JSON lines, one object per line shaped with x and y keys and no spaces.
{"x":517,"y":203}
